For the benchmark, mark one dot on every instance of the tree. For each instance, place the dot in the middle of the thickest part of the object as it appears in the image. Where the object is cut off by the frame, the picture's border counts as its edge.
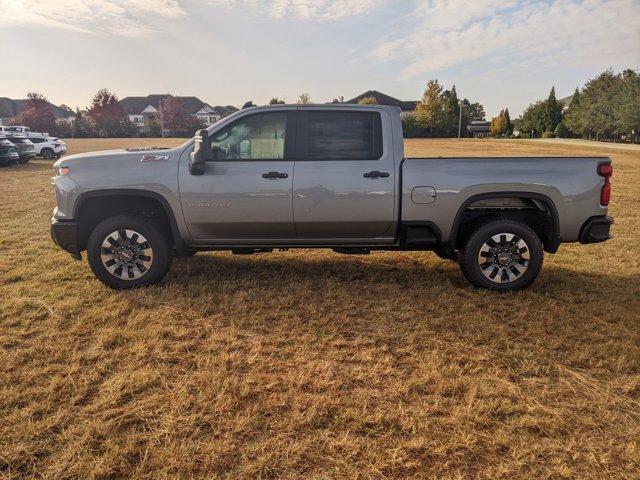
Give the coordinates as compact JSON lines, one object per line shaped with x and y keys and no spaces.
{"x":499,"y":124}
{"x":508,"y":126}
{"x":175,"y":118}
{"x":429,"y":111}
{"x":106,"y":113}
{"x":38,"y":114}
{"x":81,"y":126}
{"x":276,"y":101}
{"x":554,"y":111}
{"x":475,"y":111}
{"x":535,"y":118}
{"x":304,"y":98}
{"x":411,"y":128}
{"x":368,"y":101}
{"x":451,"y":112}
{"x":627,"y":107}
{"x":573,"y":118}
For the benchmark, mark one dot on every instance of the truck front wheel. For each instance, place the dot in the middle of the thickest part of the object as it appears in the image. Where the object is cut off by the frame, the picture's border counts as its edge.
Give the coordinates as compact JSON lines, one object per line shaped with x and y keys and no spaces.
{"x":126,"y":252}
{"x":502,"y":255}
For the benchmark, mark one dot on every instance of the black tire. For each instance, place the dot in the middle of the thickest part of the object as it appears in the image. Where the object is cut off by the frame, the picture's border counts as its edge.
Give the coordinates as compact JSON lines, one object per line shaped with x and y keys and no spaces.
{"x":151,"y":267}
{"x":511,"y":253}
{"x":47,"y":153}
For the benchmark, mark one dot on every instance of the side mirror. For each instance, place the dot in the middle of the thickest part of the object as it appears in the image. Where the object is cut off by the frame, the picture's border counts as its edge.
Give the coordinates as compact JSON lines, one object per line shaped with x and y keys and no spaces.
{"x":201,"y":153}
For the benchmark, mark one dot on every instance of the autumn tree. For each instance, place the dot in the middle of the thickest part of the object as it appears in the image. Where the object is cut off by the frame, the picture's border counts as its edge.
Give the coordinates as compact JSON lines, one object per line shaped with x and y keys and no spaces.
{"x":37,"y":114}
{"x":429,"y":111}
{"x":368,"y":101}
{"x":174,"y":116}
{"x":106,"y":113}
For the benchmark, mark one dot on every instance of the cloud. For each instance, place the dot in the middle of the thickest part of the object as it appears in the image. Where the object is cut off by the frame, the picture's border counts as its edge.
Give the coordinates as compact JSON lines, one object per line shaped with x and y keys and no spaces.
{"x":302,"y":9}
{"x":119,"y":17}
{"x":525,"y":33}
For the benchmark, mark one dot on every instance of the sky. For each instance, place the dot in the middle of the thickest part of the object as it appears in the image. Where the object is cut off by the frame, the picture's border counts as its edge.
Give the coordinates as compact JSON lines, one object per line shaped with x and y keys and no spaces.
{"x":501,"y":53}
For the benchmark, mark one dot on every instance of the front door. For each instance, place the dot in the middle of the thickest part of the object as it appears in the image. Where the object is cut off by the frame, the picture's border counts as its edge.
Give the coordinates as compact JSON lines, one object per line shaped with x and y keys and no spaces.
{"x":343,"y":189}
{"x":244,"y":195}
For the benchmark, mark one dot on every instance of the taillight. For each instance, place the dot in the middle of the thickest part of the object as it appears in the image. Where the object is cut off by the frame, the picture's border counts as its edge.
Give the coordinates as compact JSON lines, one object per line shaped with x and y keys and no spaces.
{"x":605,"y":170}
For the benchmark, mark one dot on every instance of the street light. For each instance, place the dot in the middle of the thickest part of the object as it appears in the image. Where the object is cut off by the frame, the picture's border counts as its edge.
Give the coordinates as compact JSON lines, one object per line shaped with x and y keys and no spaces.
{"x":460,"y":119}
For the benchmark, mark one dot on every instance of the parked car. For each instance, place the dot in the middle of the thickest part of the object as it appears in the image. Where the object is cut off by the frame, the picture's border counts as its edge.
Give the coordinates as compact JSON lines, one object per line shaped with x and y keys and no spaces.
{"x":8,"y":152}
{"x":26,"y":149}
{"x":20,"y":130}
{"x":323,"y":176}
{"x":49,"y":147}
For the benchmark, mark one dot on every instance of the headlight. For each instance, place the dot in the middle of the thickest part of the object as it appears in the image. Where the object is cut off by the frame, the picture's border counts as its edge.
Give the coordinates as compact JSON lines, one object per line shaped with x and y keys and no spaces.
{"x":58,"y":171}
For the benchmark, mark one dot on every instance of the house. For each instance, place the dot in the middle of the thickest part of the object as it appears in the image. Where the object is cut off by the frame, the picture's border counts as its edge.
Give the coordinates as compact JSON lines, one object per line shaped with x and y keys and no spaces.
{"x":479,"y":128}
{"x":140,"y":109}
{"x":10,"y":109}
{"x":383,"y":99}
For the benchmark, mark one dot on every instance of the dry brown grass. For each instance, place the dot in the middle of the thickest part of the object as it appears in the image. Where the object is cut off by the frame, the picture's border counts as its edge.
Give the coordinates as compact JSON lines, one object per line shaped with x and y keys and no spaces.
{"x":311,"y":364}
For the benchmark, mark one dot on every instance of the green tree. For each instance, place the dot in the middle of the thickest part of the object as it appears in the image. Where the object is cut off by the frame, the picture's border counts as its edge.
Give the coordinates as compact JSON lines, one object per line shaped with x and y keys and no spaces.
{"x":534,"y":119}
{"x":451,"y":113}
{"x":429,"y":111}
{"x":627,"y":106}
{"x":554,"y":111}
{"x":276,"y":101}
{"x":508,"y":126}
{"x":475,"y":111}
{"x":573,"y":117}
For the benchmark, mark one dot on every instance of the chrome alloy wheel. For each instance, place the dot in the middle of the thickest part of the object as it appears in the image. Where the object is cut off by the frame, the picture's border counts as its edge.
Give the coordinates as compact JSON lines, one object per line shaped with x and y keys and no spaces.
{"x":126,"y":254}
{"x":504,"y":258}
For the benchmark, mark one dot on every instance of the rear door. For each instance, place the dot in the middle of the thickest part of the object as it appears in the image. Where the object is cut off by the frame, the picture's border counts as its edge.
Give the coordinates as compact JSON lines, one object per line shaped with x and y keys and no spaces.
{"x":343,"y":188}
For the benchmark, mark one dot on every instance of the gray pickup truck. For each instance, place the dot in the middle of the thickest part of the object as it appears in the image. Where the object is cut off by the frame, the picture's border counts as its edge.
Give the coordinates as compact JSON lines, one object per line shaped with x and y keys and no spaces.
{"x":322,"y":176}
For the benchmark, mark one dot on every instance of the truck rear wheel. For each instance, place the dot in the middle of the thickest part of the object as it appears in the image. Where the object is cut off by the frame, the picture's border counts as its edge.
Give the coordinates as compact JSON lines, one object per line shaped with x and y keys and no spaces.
{"x":502,"y":255}
{"x":126,"y":252}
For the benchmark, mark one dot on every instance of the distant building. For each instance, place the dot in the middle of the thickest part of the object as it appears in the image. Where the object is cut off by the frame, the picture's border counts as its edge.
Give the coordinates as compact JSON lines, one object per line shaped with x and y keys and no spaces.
{"x":382,"y":99}
{"x":565,"y":102}
{"x":10,"y":109}
{"x":140,"y":109}
{"x":479,"y":128}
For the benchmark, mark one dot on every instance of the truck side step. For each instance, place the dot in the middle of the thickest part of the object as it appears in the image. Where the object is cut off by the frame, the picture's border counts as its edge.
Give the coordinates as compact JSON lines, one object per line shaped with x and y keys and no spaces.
{"x":250,"y":251}
{"x":353,"y":250}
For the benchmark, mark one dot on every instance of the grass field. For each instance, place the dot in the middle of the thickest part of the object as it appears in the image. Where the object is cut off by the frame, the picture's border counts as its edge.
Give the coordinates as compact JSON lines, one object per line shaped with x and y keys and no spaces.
{"x":308,"y":364}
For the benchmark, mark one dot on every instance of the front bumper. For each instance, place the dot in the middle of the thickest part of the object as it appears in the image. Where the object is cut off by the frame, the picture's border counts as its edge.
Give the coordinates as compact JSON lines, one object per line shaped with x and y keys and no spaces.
{"x":596,"y":229}
{"x":64,"y":234}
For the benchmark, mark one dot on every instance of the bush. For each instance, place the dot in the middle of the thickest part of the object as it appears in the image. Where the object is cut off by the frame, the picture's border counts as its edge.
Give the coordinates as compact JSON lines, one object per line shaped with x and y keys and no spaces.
{"x":548,"y":134}
{"x":411,"y":128}
{"x":561,"y":130}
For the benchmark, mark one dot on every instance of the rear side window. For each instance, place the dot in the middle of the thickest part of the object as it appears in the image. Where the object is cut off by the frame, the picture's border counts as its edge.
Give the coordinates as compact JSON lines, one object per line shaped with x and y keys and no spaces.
{"x":341,"y":136}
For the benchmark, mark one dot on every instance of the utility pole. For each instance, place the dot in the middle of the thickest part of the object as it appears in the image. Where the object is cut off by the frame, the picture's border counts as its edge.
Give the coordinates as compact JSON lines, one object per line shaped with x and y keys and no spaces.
{"x":460,"y":120}
{"x":161,"y":120}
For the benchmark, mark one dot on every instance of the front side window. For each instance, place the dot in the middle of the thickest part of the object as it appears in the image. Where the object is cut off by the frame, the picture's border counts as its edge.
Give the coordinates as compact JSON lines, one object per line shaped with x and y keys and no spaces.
{"x":255,"y":137}
{"x":344,"y":136}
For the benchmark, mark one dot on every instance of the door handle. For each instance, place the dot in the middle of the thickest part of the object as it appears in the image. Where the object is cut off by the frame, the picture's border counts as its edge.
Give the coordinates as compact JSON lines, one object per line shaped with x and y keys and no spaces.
{"x":275,"y":175}
{"x":375,"y":174}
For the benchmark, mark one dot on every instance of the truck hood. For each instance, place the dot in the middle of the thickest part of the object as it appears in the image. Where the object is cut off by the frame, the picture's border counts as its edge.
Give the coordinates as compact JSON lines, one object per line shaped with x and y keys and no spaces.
{"x":126,"y":156}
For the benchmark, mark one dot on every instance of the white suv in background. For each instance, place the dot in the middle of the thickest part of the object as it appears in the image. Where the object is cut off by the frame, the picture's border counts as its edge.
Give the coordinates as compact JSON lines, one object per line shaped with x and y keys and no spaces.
{"x":49,"y":147}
